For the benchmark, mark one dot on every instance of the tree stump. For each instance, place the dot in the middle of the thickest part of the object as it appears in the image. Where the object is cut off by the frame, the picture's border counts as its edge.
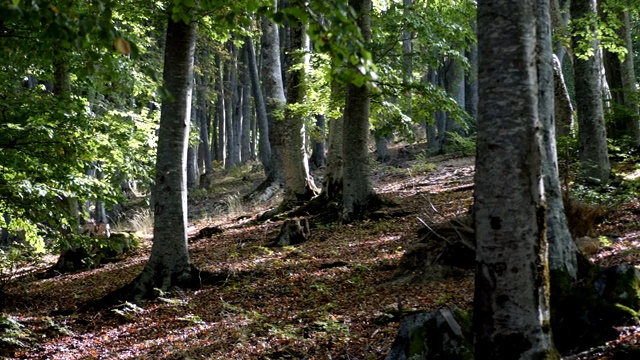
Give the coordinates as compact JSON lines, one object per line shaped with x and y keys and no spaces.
{"x":292,"y":232}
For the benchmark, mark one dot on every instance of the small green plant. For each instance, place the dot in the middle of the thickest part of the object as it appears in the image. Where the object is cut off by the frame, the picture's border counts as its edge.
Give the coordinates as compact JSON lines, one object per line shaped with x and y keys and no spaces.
{"x":604,"y":241}
{"x":456,"y":143}
{"x":128,"y":311}
{"x":422,"y":165}
{"x":13,"y":259}
{"x":195,"y":319}
{"x":13,"y":333}
{"x":320,"y":287}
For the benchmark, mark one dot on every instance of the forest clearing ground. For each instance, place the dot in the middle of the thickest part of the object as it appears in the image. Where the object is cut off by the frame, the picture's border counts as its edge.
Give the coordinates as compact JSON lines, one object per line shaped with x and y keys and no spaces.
{"x":327,"y":298}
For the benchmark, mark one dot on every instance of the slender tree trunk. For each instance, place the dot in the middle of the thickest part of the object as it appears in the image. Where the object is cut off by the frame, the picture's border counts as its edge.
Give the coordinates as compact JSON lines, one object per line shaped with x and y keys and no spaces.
{"x":563,"y":253}
{"x":169,"y":264}
{"x":357,"y":193}
{"x":594,"y":156}
{"x":471,"y":82}
{"x":318,"y":157}
{"x":203,"y":120}
{"x":564,"y":118}
{"x":511,"y":303}
{"x":221,"y":115}
{"x":333,"y":178}
{"x":232,"y":113}
{"x":264,"y":147}
{"x":407,"y":59}
{"x":454,"y":84}
{"x":620,"y":75}
{"x":245,"y":134}
{"x":192,"y":154}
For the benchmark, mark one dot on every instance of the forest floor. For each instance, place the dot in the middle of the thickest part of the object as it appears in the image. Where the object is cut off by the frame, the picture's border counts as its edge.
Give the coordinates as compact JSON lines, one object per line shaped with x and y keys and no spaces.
{"x":328,"y":298}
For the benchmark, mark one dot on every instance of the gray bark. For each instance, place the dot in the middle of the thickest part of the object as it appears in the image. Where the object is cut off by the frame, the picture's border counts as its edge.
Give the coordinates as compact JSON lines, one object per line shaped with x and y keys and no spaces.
{"x":511,"y":303}
{"x":562,"y":250}
{"x":221,"y":113}
{"x":333,"y":178}
{"x":232,"y":114}
{"x":169,"y":264}
{"x":564,"y":118}
{"x":407,"y":58}
{"x":559,"y":21}
{"x":275,"y":100}
{"x":318,"y":157}
{"x":245,"y":133}
{"x":192,"y":155}
{"x":620,"y":75}
{"x":357,"y":193}
{"x":203,"y":121}
{"x":471,"y":83}
{"x":299,"y":185}
{"x":264,"y":147}
{"x":594,"y":157}
{"x":454,"y":84}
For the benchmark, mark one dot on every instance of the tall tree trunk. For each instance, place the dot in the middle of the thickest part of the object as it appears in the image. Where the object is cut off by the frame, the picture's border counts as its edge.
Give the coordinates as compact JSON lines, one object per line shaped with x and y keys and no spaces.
{"x":563,"y":253}
{"x":318,"y":157}
{"x":454,"y":84}
{"x":192,"y":154}
{"x":264,"y":147}
{"x":232,"y":113}
{"x":169,"y":264}
{"x":407,"y":58}
{"x":563,"y":109}
{"x":357,"y":193}
{"x":221,"y":115}
{"x":511,"y":303}
{"x":299,"y":185}
{"x":594,"y":156}
{"x":275,"y":100}
{"x":205,"y":148}
{"x":333,"y":178}
{"x":245,"y":133}
{"x":621,"y":77}
{"x":471,"y":82}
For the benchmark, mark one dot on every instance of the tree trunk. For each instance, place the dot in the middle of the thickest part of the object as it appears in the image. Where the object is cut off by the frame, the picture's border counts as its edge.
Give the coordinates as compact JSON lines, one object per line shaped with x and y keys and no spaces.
{"x":299,"y":185}
{"x":454,"y":84}
{"x":511,"y":303}
{"x":622,"y":81}
{"x":264,"y":147}
{"x":594,"y":157}
{"x":232,"y":113}
{"x":333,"y":178}
{"x":245,"y":133}
{"x":318,"y":157}
{"x":275,"y":100}
{"x":563,"y":253}
{"x":193,"y":169}
{"x":407,"y":58}
{"x":220,"y":113}
{"x":205,"y":148}
{"x":169,"y":264}
{"x":357,"y":193}
{"x":563,"y":109}
{"x":471,"y":82}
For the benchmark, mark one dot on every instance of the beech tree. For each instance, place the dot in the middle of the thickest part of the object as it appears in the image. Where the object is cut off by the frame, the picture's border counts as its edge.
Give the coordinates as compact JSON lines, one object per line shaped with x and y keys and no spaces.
{"x":512,"y":280}
{"x":169,"y":264}
{"x":592,"y":136}
{"x":357,"y":192}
